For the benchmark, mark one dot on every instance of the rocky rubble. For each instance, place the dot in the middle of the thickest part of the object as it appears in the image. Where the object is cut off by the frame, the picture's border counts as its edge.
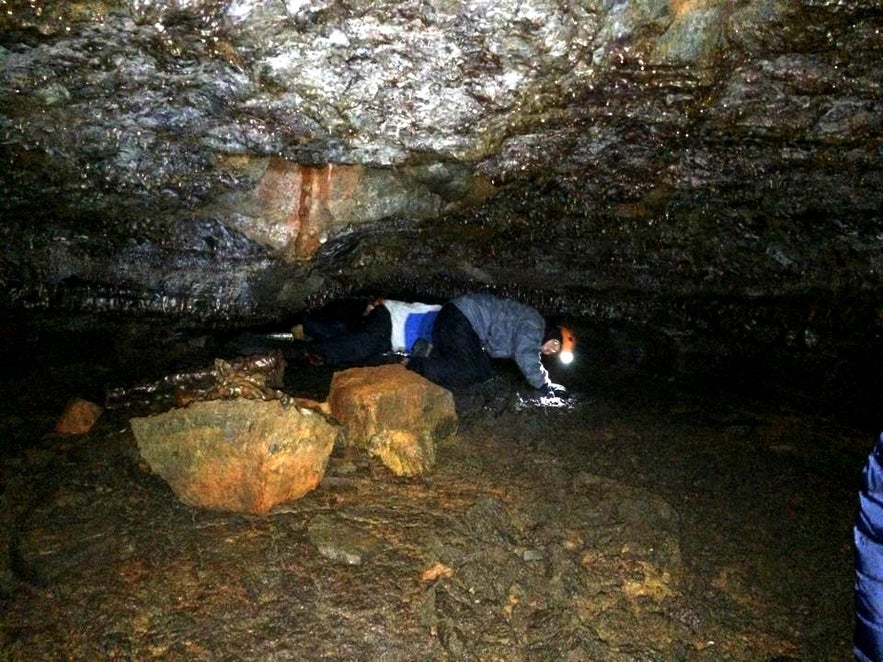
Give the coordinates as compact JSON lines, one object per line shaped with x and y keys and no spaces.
{"x":244,"y":447}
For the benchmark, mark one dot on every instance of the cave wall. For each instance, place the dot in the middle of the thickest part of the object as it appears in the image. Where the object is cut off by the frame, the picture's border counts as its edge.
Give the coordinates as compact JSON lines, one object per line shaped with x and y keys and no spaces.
{"x":707,"y":170}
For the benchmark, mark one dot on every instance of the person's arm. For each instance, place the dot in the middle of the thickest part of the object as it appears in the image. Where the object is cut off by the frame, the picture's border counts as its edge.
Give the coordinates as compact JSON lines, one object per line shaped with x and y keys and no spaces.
{"x":527,"y":356}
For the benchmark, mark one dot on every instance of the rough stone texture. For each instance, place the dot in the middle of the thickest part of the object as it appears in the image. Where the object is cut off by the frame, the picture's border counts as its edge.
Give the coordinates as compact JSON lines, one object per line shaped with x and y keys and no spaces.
{"x":404,"y":452}
{"x":78,"y":417}
{"x":682,"y":144}
{"x":239,"y":455}
{"x":255,"y":376}
{"x":295,"y":209}
{"x":397,"y":415}
{"x":340,"y":543}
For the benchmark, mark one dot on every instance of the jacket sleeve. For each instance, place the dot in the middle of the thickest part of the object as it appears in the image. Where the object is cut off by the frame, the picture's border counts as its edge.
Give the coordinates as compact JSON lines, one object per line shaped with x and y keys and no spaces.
{"x":527,"y":356}
{"x":868,"y":532}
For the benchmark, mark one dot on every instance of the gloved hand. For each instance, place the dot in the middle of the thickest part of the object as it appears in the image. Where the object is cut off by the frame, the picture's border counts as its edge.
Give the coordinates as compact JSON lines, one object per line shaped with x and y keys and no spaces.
{"x":555,"y":391}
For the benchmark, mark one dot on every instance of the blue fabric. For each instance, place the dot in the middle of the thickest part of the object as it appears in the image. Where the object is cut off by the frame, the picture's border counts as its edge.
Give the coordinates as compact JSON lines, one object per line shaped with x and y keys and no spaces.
{"x":419,"y":325}
{"x":868,"y":638}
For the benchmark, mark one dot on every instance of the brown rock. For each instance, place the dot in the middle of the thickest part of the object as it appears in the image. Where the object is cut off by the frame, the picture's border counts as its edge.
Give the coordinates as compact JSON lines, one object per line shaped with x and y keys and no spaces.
{"x":395,"y":414}
{"x":78,"y":417}
{"x":239,"y":455}
{"x":404,"y":452}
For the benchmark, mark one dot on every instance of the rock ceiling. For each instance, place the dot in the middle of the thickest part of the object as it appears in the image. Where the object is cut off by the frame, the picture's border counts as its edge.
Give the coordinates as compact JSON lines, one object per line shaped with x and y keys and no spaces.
{"x":245,"y":157}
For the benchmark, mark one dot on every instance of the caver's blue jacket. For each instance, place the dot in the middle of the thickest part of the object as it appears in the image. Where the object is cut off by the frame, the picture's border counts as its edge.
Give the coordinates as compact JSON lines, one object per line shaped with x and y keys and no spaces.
{"x":868,"y":639}
{"x":508,"y":329}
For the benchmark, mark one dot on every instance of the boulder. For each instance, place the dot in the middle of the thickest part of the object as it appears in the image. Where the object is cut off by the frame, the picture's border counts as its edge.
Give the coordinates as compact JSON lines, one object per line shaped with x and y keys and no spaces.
{"x":238,"y":455}
{"x":393,"y":413}
{"x":78,"y":417}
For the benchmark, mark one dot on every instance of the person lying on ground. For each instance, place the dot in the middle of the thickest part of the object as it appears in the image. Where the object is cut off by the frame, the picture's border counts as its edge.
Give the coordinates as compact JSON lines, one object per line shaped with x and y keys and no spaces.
{"x":389,"y":326}
{"x":336,"y":318}
{"x":472,"y":329}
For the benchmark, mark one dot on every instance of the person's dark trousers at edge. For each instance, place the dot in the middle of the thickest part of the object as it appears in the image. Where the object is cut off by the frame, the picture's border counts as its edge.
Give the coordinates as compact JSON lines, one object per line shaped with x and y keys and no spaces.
{"x":373,"y":340}
{"x":335,"y":319}
{"x":457,"y":359}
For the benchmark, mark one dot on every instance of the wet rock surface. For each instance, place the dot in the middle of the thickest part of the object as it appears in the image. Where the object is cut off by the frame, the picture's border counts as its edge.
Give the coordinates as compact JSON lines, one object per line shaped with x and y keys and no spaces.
{"x":661,"y":163}
{"x":646,"y":519}
{"x":240,"y":455}
{"x":394,"y":414}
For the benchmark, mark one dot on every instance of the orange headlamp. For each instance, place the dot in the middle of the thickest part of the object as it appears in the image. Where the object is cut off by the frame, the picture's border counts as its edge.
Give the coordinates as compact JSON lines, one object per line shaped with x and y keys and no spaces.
{"x":568,"y":345}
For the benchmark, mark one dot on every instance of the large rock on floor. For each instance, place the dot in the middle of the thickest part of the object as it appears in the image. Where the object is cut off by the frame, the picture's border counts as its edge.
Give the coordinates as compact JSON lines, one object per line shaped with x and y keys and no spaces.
{"x":239,"y":455}
{"x":396,"y":415}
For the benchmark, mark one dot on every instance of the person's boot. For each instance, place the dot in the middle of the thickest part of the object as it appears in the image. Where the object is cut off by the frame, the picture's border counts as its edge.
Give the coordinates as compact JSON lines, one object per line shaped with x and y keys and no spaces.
{"x":496,"y":394}
{"x":421,"y":348}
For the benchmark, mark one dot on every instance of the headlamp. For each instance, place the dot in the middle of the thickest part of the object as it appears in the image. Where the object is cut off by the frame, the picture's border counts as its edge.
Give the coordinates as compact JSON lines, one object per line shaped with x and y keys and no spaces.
{"x":568,"y":345}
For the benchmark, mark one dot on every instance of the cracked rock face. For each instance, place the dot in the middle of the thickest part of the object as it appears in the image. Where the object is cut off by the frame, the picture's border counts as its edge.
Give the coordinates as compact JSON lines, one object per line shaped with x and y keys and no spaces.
{"x":679,"y":164}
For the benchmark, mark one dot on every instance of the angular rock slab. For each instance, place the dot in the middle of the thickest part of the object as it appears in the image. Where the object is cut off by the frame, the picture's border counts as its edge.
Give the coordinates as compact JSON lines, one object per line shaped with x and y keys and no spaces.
{"x":393,"y":413}
{"x":238,"y":455}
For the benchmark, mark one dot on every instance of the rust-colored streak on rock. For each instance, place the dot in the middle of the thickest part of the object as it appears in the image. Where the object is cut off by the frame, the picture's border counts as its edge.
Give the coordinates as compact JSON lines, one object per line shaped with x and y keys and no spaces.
{"x":305,"y":215}
{"x":310,"y":202}
{"x":326,"y":196}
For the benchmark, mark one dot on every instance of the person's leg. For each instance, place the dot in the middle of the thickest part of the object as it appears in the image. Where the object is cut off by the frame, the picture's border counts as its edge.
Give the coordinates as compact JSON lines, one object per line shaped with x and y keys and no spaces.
{"x":319,"y":329}
{"x":457,"y":358}
{"x":335,"y":319}
{"x":369,"y":343}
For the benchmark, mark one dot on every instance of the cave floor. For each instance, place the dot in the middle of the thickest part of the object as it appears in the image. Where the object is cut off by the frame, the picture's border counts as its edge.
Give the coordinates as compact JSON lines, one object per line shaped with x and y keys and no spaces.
{"x":640,"y":521}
